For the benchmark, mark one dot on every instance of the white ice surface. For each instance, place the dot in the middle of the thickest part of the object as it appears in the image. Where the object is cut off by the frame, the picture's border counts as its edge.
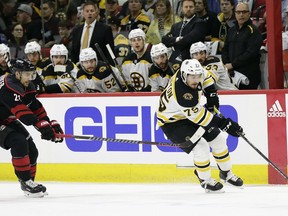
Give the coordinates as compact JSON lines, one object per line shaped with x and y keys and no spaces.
{"x":100,"y":199}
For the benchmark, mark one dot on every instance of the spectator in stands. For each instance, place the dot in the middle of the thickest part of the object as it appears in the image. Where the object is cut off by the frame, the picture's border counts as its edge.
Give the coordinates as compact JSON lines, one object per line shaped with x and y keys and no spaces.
{"x":35,"y":5}
{"x":162,"y":70}
{"x":225,"y":20}
{"x":182,"y":34}
{"x":136,"y":18}
{"x":65,"y":28}
{"x":32,"y":28}
{"x":4,"y":50}
{"x":90,"y":33}
{"x":17,"y":41}
{"x":149,"y":8}
{"x":113,"y":9}
{"x":203,"y":12}
{"x":213,"y":65}
{"x":241,"y":49}
{"x":137,"y":64}
{"x":7,"y":13}
{"x":95,"y":76}
{"x":50,"y":24}
{"x":66,"y":10}
{"x":162,"y":22}
{"x":60,"y":75}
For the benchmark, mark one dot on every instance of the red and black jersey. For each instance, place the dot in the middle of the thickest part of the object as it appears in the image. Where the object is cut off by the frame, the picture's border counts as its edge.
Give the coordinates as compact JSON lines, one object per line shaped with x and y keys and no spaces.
{"x":19,"y":102}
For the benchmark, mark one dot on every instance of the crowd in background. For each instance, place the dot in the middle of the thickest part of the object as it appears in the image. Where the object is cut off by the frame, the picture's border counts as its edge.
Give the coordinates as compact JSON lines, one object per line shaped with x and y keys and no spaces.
{"x":61,"y":24}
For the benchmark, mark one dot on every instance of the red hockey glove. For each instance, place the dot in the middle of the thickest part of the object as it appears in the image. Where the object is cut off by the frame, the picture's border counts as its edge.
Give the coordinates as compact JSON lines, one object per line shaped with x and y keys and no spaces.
{"x":45,"y":129}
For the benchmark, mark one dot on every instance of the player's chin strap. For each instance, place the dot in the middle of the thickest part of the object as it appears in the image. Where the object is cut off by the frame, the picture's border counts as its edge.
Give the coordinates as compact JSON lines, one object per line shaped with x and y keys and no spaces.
{"x":192,"y":141}
{"x":256,"y":149}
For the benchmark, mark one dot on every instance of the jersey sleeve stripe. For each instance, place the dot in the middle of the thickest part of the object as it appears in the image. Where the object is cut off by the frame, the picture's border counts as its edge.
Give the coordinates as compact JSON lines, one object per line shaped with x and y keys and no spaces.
{"x":21,"y":110}
{"x":40,"y":113}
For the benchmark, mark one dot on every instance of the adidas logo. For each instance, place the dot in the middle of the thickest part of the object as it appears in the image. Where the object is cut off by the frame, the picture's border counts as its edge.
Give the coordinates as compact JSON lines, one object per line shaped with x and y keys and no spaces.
{"x":276,"y":110}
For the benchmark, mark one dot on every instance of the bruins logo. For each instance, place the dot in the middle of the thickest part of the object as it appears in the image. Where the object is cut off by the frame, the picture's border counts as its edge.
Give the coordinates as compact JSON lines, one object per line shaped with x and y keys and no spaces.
{"x":188,"y":96}
{"x":102,"y":69}
{"x":176,"y":67}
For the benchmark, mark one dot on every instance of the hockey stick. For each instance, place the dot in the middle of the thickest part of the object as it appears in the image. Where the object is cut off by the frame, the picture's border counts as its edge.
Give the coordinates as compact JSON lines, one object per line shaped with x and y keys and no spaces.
{"x":127,"y":85}
{"x":6,"y":58}
{"x":255,"y":148}
{"x":191,"y":142}
{"x":184,"y":144}
{"x":109,"y":66}
{"x":77,"y":84}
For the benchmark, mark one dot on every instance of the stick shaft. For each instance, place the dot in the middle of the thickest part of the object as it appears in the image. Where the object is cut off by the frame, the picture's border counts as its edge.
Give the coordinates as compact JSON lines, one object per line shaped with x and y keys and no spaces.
{"x":267,"y":159}
{"x":256,"y":149}
{"x":109,"y":66}
{"x":129,"y":87}
{"x":123,"y":140}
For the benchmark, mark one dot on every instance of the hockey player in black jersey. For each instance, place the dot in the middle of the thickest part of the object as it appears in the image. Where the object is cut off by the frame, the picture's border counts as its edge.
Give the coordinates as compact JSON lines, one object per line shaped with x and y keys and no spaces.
{"x":95,"y":76}
{"x":18,"y":106}
{"x":162,"y":70}
{"x":32,"y":51}
{"x":60,"y":75}
{"x":4,"y":50}
{"x":182,"y":118}
{"x":213,"y":64}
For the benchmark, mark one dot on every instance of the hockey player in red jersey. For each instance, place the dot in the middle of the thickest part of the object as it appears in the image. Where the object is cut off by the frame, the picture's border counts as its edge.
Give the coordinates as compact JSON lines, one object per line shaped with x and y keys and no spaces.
{"x":18,"y":106}
{"x":183,"y":118}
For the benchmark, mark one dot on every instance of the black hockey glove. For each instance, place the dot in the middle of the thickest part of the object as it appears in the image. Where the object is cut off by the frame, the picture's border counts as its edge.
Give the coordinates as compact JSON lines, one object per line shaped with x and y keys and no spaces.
{"x":231,"y":127}
{"x":45,"y":129}
{"x":39,"y":85}
{"x":212,"y":101}
{"x":58,"y":130}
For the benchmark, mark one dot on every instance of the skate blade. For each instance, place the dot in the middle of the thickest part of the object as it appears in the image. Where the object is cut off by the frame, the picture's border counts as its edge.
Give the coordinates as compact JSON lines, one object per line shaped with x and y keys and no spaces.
{"x":33,"y":195}
{"x":217,"y":191}
{"x":229,"y":184}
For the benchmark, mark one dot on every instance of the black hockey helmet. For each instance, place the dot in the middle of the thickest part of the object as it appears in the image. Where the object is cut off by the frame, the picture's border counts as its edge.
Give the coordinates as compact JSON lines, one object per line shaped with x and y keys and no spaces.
{"x":22,"y":65}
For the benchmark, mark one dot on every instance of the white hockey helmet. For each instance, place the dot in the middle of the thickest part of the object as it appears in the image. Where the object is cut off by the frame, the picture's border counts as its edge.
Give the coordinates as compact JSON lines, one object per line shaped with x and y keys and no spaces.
{"x":87,"y":54}
{"x":137,"y":33}
{"x":198,"y":47}
{"x":190,"y":67}
{"x":59,"y":49}
{"x":158,"y":49}
{"x":4,"y":49}
{"x":32,"y":47}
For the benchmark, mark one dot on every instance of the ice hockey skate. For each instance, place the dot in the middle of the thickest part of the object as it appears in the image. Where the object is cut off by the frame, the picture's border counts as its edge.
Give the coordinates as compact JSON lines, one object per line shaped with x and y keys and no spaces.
{"x":230,"y":179}
{"x":210,"y":185}
{"x":32,"y":189}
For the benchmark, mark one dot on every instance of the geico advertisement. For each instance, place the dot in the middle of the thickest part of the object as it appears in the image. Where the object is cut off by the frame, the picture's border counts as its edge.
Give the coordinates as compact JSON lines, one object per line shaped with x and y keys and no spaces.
{"x":133,"y":118}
